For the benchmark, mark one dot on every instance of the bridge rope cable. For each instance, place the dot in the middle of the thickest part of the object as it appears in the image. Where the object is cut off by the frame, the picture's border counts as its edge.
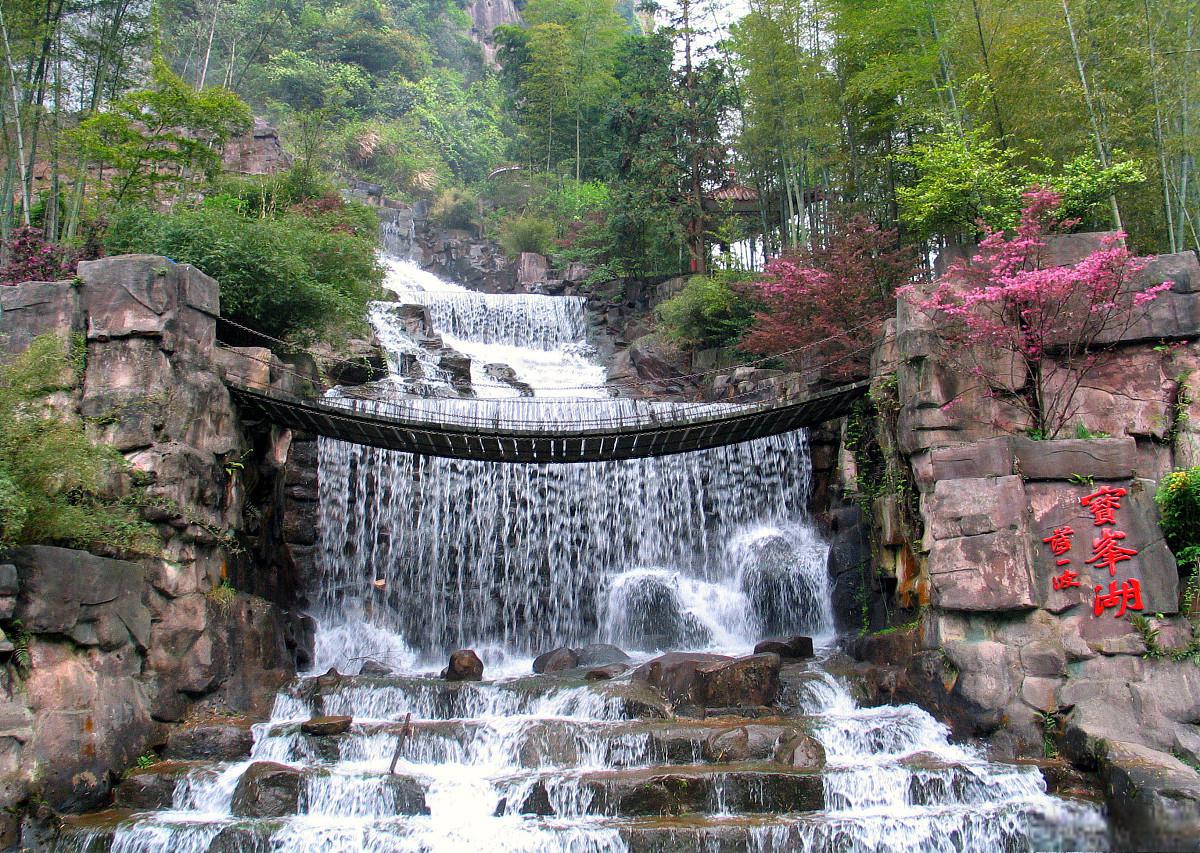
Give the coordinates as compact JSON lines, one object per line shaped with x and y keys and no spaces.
{"x":632,"y":413}
{"x":652,"y":385}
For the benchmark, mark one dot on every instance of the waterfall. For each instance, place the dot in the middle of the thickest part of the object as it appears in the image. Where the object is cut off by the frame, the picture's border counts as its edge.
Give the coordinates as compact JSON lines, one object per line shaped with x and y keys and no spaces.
{"x":708,"y":551}
{"x":450,"y":553}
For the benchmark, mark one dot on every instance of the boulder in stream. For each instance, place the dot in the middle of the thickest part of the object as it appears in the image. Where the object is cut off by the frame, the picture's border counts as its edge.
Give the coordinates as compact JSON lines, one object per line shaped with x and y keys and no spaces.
{"x":374,"y":669}
{"x":604,"y":673}
{"x":464,"y":665}
{"x":267,"y":789}
{"x":324,"y":726}
{"x":601,"y":654}
{"x":790,"y":647}
{"x":556,"y":660}
{"x":695,"y":680}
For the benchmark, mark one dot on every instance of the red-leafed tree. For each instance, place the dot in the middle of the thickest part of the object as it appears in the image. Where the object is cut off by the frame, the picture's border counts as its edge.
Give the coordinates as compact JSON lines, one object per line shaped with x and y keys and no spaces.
{"x":31,"y":258}
{"x":823,"y":306}
{"x":1030,"y":332}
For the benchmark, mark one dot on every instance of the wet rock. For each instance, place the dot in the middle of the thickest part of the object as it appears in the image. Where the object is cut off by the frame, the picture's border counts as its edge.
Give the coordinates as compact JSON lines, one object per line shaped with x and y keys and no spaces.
{"x":674,"y":675}
{"x":151,"y":787}
{"x":636,"y":700}
{"x":556,"y":660}
{"x":408,"y":794}
{"x":374,"y":669}
{"x":458,"y":369}
{"x":601,"y":654}
{"x":693,"y":680}
{"x":791,"y":647}
{"x":802,"y":751}
{"x":324,"y":726}
{"x":267,"y":789}
{"x":504,"y":374}
{"x":464,"y":665}
{"x":604,"y":673}
{"x":777,"y":592}
{"x":242,"y":838}
{"x":747,"y":681}
{"x":1154,"y":797}
{"x":213,"y":741}
{"x":648,"y":614}
{"x":754,"y":742}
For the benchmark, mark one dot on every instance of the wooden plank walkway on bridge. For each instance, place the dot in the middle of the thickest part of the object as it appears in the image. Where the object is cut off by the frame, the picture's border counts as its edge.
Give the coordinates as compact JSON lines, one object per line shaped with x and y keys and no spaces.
{"x":532,"y":443}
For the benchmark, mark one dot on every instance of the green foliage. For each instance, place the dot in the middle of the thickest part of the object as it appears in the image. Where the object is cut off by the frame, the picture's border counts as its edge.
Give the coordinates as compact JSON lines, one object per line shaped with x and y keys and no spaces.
{"x":1082,"y":431}
{"x":456,"y":207}
{"x":527,"y":233}
{"x":222,"y":594}
{"x":707,"y":312}
{"x":1178,"y":499}
{"x":20,"y":638}
{"x":54,"y":482}
{"x":1085,"y":184}
{"x":1048,"y":721}
{"x":297,"y":272}
{"x":165,"y":134}
{"x":1155,"y":649}
{"x":961,"y":178}
{"x":964,"y":178}
{"x":146,"y":759}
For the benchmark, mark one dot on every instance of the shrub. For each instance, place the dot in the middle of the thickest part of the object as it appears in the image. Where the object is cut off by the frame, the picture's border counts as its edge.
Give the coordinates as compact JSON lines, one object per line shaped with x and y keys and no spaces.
{"x":964,"y":179}
{"x":527,"y":233}
{"x":32,"y":258}
{"x":52,"y":477}
{"x":296,"y":274}
{"x":455,"y":208}
{"x":708,"y":312}
{"x":1178,"y":500}
{"x":829,"y":299}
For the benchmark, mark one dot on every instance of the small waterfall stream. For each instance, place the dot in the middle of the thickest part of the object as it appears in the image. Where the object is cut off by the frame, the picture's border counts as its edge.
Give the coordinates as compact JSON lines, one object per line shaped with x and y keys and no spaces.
{"x":709,"y":551}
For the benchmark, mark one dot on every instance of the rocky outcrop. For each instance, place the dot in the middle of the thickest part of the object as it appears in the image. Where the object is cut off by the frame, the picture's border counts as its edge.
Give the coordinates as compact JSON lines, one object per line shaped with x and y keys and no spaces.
{"x":486,"y":15}
{"x":114,"y":653}
{"x":258,"y":151}
{"x":1026,"y":634}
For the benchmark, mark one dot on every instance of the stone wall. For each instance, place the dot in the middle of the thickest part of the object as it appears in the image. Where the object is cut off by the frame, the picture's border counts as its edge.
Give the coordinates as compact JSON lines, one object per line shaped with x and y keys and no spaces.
{"x":108,"y":654}
{"x":959,"y":609}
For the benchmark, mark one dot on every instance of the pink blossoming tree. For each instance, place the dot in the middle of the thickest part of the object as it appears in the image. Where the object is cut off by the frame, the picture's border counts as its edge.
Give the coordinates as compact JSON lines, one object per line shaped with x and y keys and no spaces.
{"x":1030,"y":332}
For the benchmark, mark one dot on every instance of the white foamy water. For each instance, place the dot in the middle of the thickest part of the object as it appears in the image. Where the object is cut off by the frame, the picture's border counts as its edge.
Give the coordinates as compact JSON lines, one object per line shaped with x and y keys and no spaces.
{"x":710,"y":550}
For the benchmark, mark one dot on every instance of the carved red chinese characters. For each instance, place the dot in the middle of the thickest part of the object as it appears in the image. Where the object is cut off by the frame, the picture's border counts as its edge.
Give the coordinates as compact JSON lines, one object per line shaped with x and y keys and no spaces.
{"x":1104,"y":503}
{"x":1067,"y":579}
{"x":1060,"y":543}
{"x":1107,"y":550}
{"x":1127,"y":596}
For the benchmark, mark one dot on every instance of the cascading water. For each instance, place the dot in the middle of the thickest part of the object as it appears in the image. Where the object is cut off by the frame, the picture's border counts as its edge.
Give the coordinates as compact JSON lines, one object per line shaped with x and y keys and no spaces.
{"x":681,"y":551}
{"x":708,"y":551}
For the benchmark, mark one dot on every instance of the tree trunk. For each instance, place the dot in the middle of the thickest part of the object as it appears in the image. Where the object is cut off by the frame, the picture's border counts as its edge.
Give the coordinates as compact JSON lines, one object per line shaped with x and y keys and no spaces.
{"x":1101,"y":152}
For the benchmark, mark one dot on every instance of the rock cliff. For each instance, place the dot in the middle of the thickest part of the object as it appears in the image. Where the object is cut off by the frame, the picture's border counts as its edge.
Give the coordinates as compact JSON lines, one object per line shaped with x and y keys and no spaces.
{"x":107,"y":655}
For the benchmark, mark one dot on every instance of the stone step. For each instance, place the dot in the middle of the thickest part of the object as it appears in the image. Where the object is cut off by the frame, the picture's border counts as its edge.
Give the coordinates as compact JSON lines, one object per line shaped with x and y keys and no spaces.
{"x":554,"y":743}
{"x":667,"y":790}
{"x":428,"y":698}
{"x":1003,"y":827}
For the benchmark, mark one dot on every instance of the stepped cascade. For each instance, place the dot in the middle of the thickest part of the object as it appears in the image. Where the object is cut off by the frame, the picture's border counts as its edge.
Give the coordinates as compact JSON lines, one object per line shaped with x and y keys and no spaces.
{"x":708,"y":551}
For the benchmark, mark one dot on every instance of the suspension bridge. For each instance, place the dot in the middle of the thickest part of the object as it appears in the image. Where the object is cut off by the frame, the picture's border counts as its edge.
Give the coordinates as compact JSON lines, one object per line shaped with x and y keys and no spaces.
{"x":537,"y":432}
